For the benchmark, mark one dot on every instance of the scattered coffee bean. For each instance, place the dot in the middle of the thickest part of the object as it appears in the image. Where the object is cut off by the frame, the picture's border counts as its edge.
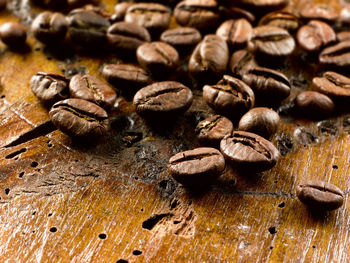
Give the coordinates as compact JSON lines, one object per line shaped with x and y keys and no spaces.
{"x":337,"y":55}
{"x":261,"y":121}
{"x":163,"y":99}
{"x":241,"y":61}
{"x":236,"y":33}
{"x":87,"y":87}
{"x":213,"y":129}
{"x":182,"y":38}
{"x":249,"y":151}
{"x":282,"y":19}
{"x":318,"y":11}
{"x":264,"y":5}
{"x":230,"y":97}
{"x":319,"y":195}
{"x":79,"y":118}
{"x":314,"y":105}
{"x":200,"y":166}
{"x":234,"y":12}
{"x":13,"y":34}
{"x":49,"y":88}
{"x":120,"y":11}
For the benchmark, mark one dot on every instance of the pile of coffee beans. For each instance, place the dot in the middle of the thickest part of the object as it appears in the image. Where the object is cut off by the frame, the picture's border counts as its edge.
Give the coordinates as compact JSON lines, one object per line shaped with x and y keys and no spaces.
{"x":232,"y":51}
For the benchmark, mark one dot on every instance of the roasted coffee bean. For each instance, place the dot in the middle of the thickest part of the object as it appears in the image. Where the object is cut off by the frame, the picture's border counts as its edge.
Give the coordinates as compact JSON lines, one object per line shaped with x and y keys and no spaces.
{"x":213,"y":129}
{"x":319,"y":195}
{"x":126,"y":76}
{"x":337,"y":55}
{"x":234,"y":12}
{"x":268,"y":85}
{"x":200,"y":14}
{"x":263,"y":5}
{"x":13,"y":34}
{"x":49,"y":27}
{"x":49,"y":88}
{"x":120,"y":11}
{"x":182,"y":38}
{"x":334,"y":85}
{"x":87,"y":28}
{"x":314,"y":105}
{"x":209,"y":59}
{"x":159,"y":58}
{"x":282,"y":19}
{"x":79,"y":118}
{"x":200,"y":166}
{"x":272,"y":41}
{"x":163,"y":99}
{"x":343,"y":36}
{"x":230,"y":97}
{"x":236,"y":33}
{"x":249,"y":151}
{"x":126,"y":36}
{"x":262,"y":121}
{"x":241,"y":61}
{"x":154,"y":17}
{"x":314,"y":35}
{"x":318,"y":11}
{"x":87,"y":87}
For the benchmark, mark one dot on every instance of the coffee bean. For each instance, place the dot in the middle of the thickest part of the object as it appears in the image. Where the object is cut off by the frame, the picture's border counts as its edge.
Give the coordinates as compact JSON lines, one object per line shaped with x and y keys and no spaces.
{"x":13,"y":34}
{"x":49,"y":27}
{"x":49,"y":88}
{"x":200,"y":14}
{"x":314,"y":105}
{"x":262,"y":121}
{"x":249,"y":151}
{"x":263,"y":5}
{"x":241,"y":61}
{"x":214,"y":128}
{"x":318,"y":11}
{"x":79,"y":118}
{"x":337,"y":55}
{"x":269,"y":86}
{"x":158,"y":58}
{"x":236,"y":33}
{"x":163,"y":99}
{"x":87,"y":28}
{"x":314,"y":35}
{"x":154,"y":17}
{"x":209,"y":59}
{"x":126,"y":76}
{"x":200,"y":166}
{"x":272,"y":41}
{"x":120,"y":11}
{"x":182,"y":38}
{"x":126,"y":36}
{"x":343,"y":36}
{"x":230,"y":97}
{"x":234,"y":12}
{"x":87,"y":87}
{"x":334,"y":85}
{"x":319,"y":195}
{"x":282,"y":19}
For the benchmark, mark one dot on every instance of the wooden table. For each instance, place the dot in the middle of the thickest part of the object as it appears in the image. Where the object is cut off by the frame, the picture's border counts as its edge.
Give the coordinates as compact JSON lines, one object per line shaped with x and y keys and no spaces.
{"x":113,"y":200}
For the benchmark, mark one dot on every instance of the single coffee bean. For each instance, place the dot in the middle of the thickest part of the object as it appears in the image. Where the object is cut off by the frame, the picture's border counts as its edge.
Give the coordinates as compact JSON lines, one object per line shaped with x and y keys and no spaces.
{"x":320,"y":195}
{"x":13,"y":34}
{"x":234,"y":12}
{"x":126,"y":36}
{"x":200,"y":166}
{"x":249,"y":151}
{"x":87,"y":87}
{"x":263,"y":5}
{"x":314,"y":105}
{"x":241,"y":61}
{"x":79,"y":118}
{"x":126,"y":76}
{"x":209,"y":59}
{"x":315,"y":35}
{"x":268,"y":85}
{"x":318,"y":11}
{"x":200,"y":14}
{"x":154,"y":17}
{"x":182,"y":38}
{"x":49,"y":27}
{"x":163,"y":99}
{"x":213,"y":129}
{"x":343,"y":36}
{"x":337,"y":55}
{"x":262,"y":121}
{"x":272,"y":41}
{"x":87,"y":28}
{"x":236,"y":33}
{"x":120,"y":11}
{"x":49,"y":88}
{"x":159,"y":58}
{"x":282,"y":19}
{"x":230,"y":97}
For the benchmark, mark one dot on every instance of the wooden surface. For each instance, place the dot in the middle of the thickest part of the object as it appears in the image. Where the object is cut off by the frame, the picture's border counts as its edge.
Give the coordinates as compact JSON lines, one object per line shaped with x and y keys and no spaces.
{"x":120,"y":187}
